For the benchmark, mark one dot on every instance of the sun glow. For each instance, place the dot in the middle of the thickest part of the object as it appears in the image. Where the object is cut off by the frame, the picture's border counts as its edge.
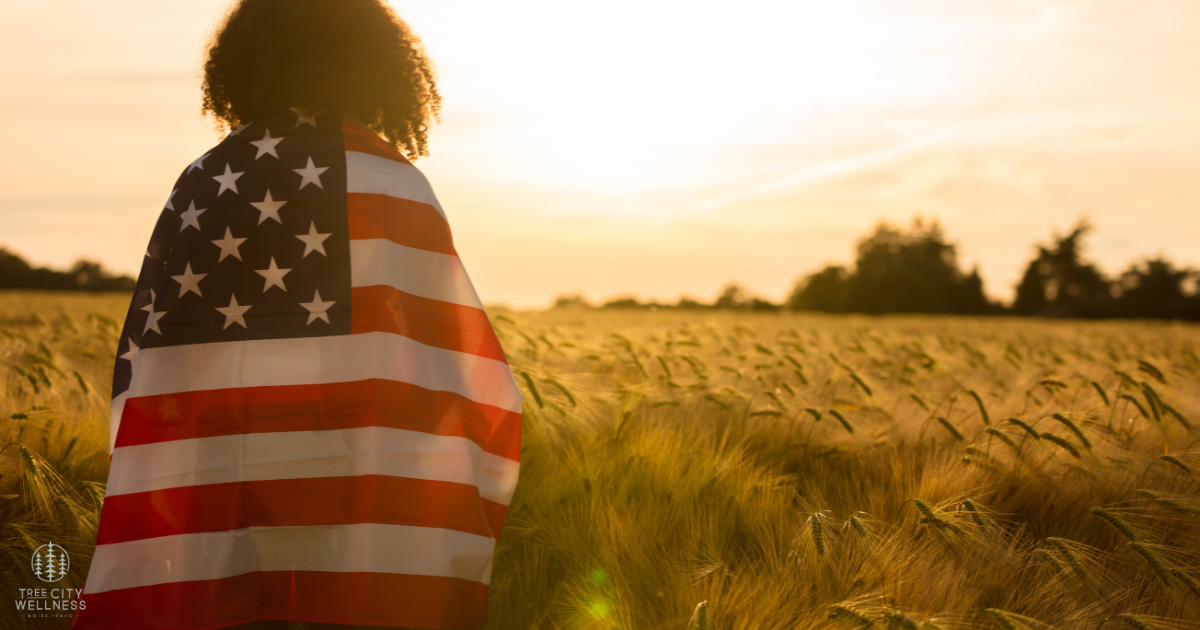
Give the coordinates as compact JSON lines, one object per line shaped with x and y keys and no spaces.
{"x":665,"y":148}
{"x":642,"y":97}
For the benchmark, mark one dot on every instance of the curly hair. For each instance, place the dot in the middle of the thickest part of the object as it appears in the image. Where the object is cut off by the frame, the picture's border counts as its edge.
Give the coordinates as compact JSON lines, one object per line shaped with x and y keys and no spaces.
{"x":354,"y":57}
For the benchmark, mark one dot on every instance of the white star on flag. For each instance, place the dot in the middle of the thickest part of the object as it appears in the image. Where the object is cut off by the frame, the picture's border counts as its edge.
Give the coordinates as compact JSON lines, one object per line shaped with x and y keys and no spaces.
{"x":189,"y":282}
{"x":170,"y":205}
{"x":152,"y":319}
{"x":238,"y":129}
{"x":313,"y":242}
{"x":304,"y":118}
{"x":229,"y":245}
{"x":274,"y":276}
{"x":266,"y":146}
{"x":131,"y":354}
{"x":310,"y":174}
{"x":234,"y":313}
{"x":191,"y":216}
{"x":228,"y":181}
{"x":197,"y":163}
{"x":269,"y":208}
{"x":317,"y":309}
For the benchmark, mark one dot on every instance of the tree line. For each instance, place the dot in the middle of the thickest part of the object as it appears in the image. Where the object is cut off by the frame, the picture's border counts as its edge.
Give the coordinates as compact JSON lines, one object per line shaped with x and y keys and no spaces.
{"x":895,"y":271}
{"x":917,"y":271}
{"x":16,"y":273}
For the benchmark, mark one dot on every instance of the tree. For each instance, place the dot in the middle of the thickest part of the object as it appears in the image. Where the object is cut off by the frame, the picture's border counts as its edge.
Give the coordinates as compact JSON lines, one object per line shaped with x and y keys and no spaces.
{"x":821,"y":291}
{"x":1155,"y":288}
{"x":623,"y":302}
{"x":15,"y":273}
{"x":732,"y":296}
{"x":575,"y":301}
{"x":897,"y":272}
{"x":1059,"y":283}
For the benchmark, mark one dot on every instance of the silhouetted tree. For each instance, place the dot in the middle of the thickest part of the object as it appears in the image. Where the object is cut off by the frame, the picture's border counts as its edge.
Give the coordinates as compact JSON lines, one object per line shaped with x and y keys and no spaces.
{"x":1155,"y":288}
{"x":759,"y":304}
{"x":1060,"y":283}
{"x":575,"y":300}
{"x":735,"y":296}
{"x":15,"y":273}
{"x":824,"y":290}
{"x":897,"y":272}
{"x":624,"y":302}
{"x":732,"y":296}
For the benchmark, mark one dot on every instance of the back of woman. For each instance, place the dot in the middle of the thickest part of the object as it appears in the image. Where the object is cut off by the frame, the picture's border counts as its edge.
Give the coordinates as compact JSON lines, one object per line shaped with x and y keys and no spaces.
{"x":312,"y":417}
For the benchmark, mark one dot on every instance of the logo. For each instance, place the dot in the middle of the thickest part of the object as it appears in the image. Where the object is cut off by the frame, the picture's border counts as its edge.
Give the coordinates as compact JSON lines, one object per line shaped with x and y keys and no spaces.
{"x":50,"y":563}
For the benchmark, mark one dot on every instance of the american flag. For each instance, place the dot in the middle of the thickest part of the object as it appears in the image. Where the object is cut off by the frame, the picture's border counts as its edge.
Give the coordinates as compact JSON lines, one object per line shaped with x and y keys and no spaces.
{"x":312,"y":417}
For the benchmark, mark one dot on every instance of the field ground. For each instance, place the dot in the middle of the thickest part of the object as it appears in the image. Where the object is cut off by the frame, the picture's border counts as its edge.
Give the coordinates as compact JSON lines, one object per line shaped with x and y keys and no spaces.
{"x":790,"y":471}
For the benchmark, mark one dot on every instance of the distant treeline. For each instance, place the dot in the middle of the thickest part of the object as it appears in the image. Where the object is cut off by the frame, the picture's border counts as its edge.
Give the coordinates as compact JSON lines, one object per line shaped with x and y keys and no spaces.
{"x":15,"y":273}
{"x":917,"y":271}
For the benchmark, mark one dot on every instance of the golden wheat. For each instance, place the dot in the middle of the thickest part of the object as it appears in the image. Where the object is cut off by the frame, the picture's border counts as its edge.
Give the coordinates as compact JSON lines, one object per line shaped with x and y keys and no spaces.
{"x":678,"y":457}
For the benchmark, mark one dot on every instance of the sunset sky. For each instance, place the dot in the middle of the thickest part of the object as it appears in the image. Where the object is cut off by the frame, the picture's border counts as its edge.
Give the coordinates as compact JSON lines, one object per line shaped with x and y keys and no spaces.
{"x":666,"y":148}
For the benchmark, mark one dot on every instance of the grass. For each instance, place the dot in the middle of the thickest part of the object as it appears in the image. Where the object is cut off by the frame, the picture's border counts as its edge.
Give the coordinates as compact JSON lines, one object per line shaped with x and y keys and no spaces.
{"x":786,"y":471}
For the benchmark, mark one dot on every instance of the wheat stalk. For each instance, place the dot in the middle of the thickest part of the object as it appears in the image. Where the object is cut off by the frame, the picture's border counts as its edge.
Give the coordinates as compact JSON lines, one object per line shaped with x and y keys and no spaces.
{"x":1134,"y":622}
{"x":1062,"y":443}
{"x":699,"y":620}
{"x":1171,"y":503}
{"x":1028,"y":429}
{"x":974,"y":512}
{"x":1069,"y":555}
{"x":1002,"y":619}
{"x":1153,"y":560}
{"x":900,"y":620}
{"x":1074,"y":429}
{"x":1116,"y":521}
{"x":1176,"y":462}
{"x":1003,"y":438}
{"x":839,"y":612}
{"x":950,"y":428}
{"x":987,"y":420}
{"x":844,"y":422}
{"x":818,"y":532}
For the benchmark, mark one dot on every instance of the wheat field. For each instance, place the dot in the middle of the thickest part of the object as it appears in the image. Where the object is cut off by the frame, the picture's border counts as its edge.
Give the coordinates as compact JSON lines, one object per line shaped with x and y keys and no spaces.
{"x":727,"y":471}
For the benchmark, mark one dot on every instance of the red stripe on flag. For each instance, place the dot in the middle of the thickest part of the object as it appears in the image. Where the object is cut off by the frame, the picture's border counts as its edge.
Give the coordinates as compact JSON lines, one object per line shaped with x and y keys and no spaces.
{"x":323,"y":407}
{"x":401,"y":221}
{"x":495,"y":513}
{"x":381,"y":308}
{"x":298,"y":503}
{"x":376,"y":599}
{"x":363,"y":140}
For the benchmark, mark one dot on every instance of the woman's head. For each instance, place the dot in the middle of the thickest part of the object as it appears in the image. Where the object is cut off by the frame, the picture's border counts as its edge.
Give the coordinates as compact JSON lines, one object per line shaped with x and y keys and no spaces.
{"x":354,"y":57}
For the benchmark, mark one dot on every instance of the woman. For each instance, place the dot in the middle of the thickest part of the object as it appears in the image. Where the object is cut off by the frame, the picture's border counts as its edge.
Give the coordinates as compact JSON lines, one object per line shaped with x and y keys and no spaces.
{"x":312,"y":418}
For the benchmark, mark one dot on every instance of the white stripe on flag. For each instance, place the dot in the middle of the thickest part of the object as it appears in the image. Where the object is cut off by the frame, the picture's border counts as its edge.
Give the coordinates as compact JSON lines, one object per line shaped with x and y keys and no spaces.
{"x":414,"y":271}
{"x":365,"y":547}
{"x":309,"y":454}
{"x":366,"y":173}
{"x":114,"y":420}
{"x":316,"y":360}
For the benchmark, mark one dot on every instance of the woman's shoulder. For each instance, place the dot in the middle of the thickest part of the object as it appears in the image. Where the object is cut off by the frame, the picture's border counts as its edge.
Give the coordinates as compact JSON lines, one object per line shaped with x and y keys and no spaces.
{"x":292,"y":151}
{"x":262,"y":140}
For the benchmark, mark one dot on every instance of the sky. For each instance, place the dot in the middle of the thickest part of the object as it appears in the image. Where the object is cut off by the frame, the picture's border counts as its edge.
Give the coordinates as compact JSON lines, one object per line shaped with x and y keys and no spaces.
{"x":660,"y":148}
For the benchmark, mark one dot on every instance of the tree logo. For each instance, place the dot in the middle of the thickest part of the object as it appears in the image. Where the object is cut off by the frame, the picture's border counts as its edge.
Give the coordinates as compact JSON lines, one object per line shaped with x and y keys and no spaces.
{"x":50,"y":563}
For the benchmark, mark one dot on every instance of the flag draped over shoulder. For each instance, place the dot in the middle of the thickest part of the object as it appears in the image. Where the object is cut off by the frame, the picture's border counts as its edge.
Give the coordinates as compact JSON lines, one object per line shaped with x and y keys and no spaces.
{"x":312,"y":418}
